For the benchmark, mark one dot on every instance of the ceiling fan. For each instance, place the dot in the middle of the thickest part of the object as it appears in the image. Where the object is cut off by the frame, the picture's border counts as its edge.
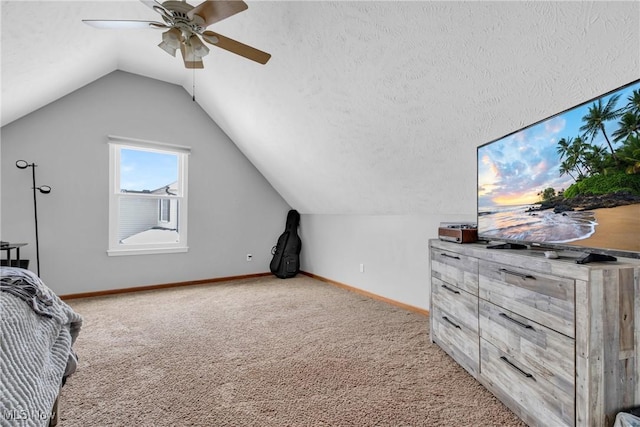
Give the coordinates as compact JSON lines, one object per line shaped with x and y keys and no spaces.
{"x":186,"y":24}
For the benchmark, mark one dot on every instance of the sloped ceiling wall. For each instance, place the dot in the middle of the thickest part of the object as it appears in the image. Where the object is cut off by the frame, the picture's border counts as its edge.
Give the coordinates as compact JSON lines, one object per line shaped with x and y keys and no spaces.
{"x":365,"y":106}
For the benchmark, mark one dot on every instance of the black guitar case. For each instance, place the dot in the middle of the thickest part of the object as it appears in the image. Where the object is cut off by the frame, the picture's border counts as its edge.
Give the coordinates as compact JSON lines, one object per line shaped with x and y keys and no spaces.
{"x":286,"y":253}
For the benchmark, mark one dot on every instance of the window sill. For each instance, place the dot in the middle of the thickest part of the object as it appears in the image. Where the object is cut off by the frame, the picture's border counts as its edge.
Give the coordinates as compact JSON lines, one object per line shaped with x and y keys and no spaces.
{"x":146,"y":251}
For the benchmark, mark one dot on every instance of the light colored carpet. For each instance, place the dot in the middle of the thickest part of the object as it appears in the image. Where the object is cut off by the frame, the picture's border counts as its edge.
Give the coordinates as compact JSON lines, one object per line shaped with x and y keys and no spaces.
{"x":265,"y":352}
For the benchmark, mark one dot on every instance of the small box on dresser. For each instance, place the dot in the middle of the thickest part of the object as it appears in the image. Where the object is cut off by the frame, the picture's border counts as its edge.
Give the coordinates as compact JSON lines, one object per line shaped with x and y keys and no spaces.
{"x":556,"y":341}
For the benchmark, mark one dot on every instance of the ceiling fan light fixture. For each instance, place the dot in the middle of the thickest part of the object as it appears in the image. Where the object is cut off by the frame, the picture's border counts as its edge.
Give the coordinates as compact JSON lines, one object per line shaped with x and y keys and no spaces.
{"x":190,"y":60}
{"x":169,"y":49}
{"x":172,"y":37}
{"x":184,"y":28}
{"x":198,"y":48}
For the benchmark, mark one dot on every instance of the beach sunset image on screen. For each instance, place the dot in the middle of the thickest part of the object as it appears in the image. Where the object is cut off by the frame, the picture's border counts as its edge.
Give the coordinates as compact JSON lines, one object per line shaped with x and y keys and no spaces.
{"x":573,"y":178}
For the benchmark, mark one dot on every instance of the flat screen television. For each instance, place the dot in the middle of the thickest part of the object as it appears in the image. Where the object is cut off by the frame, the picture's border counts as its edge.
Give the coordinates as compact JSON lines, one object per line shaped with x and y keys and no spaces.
{"x":568,"y":182}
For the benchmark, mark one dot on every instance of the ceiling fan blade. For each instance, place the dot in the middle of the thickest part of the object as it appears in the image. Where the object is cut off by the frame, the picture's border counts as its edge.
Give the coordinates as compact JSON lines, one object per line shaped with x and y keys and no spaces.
{"x":217,"y":10}
{"x":236,"y":47}
{"x":119,"y":24}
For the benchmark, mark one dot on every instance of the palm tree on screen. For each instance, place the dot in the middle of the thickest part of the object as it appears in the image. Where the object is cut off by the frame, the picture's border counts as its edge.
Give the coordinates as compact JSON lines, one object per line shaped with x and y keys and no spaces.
{"x":629,"y":125}
{"x":566,"y":168}
{"x":630,"y":154}
{"x":574,"y":152}
{"x":595,"y":158}
{"x":634,"y":102}
{"x":564,"y":146}
{"x":597,"y":116}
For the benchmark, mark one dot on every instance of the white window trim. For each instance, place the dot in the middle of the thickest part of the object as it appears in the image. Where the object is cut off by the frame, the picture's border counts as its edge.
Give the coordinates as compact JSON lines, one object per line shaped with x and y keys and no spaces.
{"x":117,"y":249}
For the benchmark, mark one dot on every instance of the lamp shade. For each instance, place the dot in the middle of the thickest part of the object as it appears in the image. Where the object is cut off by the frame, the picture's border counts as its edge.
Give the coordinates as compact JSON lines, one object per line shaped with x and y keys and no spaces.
{"x":198,"y":48}
{"x":170,"y":50}
{"x":190,"y":60}
{"x":172,"y":37}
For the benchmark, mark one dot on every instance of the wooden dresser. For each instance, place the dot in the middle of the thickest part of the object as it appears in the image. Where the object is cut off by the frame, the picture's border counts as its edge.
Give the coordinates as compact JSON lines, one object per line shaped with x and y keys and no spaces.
{"x":555,"y":341}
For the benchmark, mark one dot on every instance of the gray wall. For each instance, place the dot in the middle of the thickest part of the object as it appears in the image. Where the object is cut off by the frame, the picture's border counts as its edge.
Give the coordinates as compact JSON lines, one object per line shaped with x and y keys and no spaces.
{"x":393,"y":248}
{"x":233,"y":210}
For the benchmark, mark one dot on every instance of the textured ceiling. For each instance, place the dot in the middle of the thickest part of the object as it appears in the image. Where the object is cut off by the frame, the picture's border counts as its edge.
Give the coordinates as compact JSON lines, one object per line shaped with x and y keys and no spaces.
{"x":365,"y":107}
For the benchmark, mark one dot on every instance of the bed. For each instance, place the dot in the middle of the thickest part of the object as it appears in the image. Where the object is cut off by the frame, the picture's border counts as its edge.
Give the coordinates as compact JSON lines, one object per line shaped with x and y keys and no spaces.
{"x":37,"y":334}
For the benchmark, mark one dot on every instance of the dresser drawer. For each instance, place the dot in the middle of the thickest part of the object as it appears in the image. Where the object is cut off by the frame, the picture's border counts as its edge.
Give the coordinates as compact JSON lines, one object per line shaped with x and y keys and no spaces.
{"x":460,"y":342}
{"x":545,"y":299}
{"x":524,"y":389}
{"x":455,"y":269}
{"x":549,"y":353}
{"x":450,"y":299}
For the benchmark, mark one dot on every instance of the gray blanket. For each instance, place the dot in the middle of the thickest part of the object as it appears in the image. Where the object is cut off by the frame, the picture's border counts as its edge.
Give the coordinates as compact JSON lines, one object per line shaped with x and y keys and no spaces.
{"x":37,"y":332}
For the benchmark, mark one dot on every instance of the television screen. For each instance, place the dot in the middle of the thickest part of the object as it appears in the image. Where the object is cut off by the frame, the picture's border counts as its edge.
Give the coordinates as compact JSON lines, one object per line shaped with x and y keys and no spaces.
{"x":570,"y":181}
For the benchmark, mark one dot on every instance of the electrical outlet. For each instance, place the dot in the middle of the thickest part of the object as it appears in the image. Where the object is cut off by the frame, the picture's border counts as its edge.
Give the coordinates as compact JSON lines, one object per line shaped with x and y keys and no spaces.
{"x":249,"y":257}
{"x":361,"y":268}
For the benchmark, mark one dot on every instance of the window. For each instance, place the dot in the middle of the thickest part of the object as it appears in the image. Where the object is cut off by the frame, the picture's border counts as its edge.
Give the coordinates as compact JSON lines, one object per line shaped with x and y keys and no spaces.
{"x":147,"y":197}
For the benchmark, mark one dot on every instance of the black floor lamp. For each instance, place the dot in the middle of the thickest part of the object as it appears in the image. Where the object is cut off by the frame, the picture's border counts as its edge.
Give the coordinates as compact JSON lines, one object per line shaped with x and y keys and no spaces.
{"x":44,"y":189}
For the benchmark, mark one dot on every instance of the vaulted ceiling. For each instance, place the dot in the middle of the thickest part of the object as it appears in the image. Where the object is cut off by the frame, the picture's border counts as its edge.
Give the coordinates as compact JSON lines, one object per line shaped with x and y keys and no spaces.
{"x":364,"y":106}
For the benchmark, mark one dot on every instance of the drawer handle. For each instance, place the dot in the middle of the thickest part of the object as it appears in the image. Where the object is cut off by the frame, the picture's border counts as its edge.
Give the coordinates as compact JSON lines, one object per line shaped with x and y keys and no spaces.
{"x":449,"y":256}
{"x":515,"y":273}
{"x":446,"y":319}
{"x":520,"y":371}
{"x":453,"y":291}
{"x":517,"y":322}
